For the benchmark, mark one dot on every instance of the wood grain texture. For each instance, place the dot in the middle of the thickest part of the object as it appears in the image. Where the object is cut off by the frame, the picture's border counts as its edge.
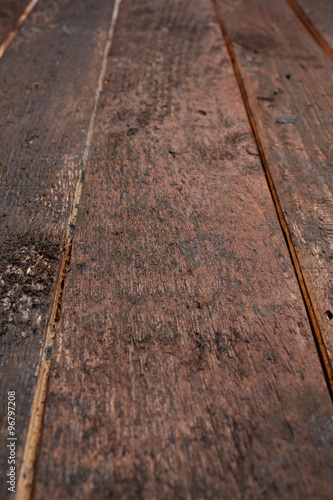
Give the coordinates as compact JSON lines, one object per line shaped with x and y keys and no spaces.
{"x":10,"y":12}
{"x":47,"y":94}
{"x":289,"y":95}
{"x":319,"y":15}
{"x":184,"y":364}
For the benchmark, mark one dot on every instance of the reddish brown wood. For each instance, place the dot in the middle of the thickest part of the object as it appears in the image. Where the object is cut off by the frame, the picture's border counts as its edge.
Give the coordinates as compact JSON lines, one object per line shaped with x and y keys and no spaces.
{"x":289,"y":97}
{"x":184,"y":364}
{"x":10,"y":12}
{"x":317,"y":15}
{"x":47,"y":94}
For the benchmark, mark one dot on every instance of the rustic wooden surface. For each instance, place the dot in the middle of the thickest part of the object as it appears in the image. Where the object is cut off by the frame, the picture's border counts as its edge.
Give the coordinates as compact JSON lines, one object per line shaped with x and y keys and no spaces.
{"x":289,"y":94}
{"x":184,"y":364}
{"x":318,"y":16}
{"x":10,"y":12}
{"x":47,"y":90}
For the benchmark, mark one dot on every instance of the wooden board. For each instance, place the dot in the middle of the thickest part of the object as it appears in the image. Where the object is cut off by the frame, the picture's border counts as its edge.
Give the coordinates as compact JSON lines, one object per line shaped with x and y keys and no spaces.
{"x":317,"y":15}
{"x":184,"y":364}
{"x":10,"y":12}
{"x":47,"y":95}
{"x":287,"y":82}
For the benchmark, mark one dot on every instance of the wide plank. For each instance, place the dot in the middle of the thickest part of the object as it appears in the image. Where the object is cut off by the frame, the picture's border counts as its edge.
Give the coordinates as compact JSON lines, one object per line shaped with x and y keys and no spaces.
{"x":317,"y":15}
{"x":287,"y":82}
{"x":47,"y":94}
{"x":184,"y":365}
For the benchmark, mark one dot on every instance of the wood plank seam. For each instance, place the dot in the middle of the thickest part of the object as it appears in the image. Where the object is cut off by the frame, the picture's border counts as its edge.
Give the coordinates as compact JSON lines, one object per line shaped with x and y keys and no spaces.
{"x":30,"y":453}
{"x":182,"y":362}
{"x":295,"y":258}
{"x":5,"y":44}
{"x":184,"y":358}
{"x":311,"y":27}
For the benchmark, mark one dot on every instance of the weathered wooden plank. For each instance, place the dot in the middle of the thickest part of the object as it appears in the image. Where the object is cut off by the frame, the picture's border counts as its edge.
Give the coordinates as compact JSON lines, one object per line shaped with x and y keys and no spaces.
{"x":288,"y":84}
{"x":10,"y":12}
{"x":317,"y":15}
{"x":184,"y":364}
{"x":48,"y":86}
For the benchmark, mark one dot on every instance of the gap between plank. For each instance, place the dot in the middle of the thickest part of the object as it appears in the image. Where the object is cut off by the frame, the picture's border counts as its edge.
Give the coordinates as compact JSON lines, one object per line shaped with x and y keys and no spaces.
{"x":310,"y":27}
{"x":13,"y":33}
{"x":30,"y":454}
{"x":302,"y":281}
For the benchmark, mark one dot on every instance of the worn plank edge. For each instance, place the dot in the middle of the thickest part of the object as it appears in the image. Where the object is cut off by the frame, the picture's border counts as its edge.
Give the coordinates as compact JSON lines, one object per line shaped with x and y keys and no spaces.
{"x":311,"y":27}
{"x":30,"y":452}
{"x":26,"y":474}
{"x":5,"y":44}
{"x":304,"y":285}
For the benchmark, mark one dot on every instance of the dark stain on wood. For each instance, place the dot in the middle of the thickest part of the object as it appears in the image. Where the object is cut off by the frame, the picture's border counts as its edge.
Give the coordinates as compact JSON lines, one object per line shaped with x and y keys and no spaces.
{"x":47,"y":94}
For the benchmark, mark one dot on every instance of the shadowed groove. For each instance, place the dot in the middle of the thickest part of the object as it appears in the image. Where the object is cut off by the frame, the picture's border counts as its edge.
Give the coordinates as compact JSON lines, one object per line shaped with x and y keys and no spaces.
{"x":311,"y":27}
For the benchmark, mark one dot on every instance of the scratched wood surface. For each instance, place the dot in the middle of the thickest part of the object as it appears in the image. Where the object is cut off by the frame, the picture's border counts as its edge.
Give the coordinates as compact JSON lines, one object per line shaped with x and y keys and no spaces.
{"x":184,"y":364}
{"x":290,"y":97}
{"x":47,"y":93}
{"x":319,"y":15}
{"x":10,"y":12}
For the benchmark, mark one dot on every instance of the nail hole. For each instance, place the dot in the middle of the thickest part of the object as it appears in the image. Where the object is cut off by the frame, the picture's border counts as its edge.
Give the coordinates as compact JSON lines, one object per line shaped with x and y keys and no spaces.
{"x":329,"y":314}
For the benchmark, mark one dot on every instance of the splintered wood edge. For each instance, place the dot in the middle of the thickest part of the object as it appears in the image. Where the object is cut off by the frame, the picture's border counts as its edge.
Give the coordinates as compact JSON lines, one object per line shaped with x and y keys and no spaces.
{"x":5,"y":44}
{"x":311,"y":27}
{"x":26,"y":475}
{"x":304,"y":285}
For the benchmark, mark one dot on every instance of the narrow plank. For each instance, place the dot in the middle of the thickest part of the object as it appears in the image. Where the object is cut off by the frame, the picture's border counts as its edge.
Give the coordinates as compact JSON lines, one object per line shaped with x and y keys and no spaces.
{"x":318,"y":17}
{"x":47,"y":95}
{"x":184,"y":364}
{"x":10,"y":12}
{"x":288,"y":82}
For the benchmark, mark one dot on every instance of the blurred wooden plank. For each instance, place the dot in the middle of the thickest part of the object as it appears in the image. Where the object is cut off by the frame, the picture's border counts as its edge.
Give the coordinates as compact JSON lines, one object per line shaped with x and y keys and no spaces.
{"x":287,"y":82}
{"x":317,"y":15}
{"x":184,"y":364}
{"x":10,"y":13}
{"x":48,"y":86}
